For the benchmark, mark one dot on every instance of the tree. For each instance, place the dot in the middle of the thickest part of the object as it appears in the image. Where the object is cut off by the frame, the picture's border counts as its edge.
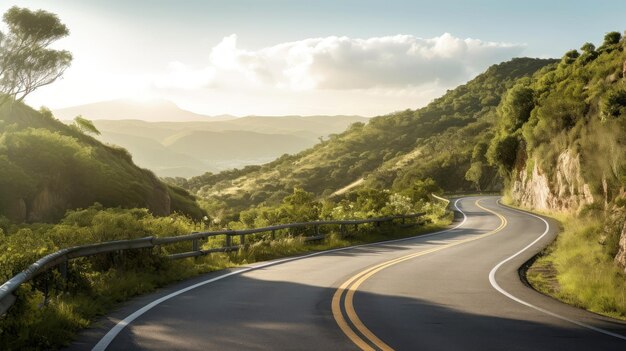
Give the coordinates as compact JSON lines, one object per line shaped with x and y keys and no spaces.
{"x":421,"y":189}
{"x":589,"y":52}
{"x":588,"y":47}
{"x":570,"y":57}
{"x":300,"y":206}
{"x":614,"y":103}
{"x":479,"y":159}
{"x":516,"y":106}
{"x":612,"y":38}
{"x":26,"y":62}
{"x":503,"y":152}
{"x":475,"y":173}
{"x":85,"y":125}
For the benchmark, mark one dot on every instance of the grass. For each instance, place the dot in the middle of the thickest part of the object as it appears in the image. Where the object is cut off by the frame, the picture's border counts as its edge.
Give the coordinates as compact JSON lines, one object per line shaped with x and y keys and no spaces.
{"x":32,"y":325}
{"x":578,"y":269}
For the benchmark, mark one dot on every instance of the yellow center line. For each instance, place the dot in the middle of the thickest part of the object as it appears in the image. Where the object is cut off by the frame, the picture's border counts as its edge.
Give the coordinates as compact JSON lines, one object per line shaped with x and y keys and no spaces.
{"x":350,"y":286}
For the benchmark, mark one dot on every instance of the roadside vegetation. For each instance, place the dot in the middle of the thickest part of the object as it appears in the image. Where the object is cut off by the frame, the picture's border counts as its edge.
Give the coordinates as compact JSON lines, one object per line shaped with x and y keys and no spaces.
{"x":579,"y":268}
{"x":50,"y":310}
{"x":579,"y":106}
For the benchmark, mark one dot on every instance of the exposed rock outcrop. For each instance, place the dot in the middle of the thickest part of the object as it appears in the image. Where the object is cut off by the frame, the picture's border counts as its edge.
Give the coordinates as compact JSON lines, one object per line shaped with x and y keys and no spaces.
{"x":51,"y":203}
{"x":566,"y":192}
{"x":47,"y":204}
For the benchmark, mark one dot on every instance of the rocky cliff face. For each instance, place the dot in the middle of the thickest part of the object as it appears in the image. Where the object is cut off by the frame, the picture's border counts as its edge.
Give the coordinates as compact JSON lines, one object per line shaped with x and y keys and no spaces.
{"x":566,"y":192}
{"x":47,"y":204}
{"x":50,"y":204}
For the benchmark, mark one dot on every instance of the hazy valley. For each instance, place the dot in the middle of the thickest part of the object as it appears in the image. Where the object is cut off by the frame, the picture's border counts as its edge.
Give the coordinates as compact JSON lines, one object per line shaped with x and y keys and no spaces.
{"x":173,"y":142}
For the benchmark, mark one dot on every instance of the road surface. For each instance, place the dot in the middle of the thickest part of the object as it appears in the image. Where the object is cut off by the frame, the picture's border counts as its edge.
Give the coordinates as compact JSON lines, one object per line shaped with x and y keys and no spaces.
{"x":453,"y":290}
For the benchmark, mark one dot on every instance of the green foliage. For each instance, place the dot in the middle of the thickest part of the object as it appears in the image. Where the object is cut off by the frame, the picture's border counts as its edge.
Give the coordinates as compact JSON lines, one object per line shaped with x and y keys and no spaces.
{"x":301,"y":206}
{"x":577,"y":107}
{"x":571,"y":106}
{"x":391,"y":151}
{"x":366,"y":202}
{"x":503,"y":152}
{"x":26,"y":62}
{"x":588,"y":47}
{"x":422,"y":189}
{"x":479,"y":172}
{"x":614,"y":102}
{"x":475,"y":174}
{"x":515,"y":108}
{"x":612,"y":38}
{"x":582,"y":262}
{"x":47,"y":168}
{"x":589,"y":53}
{"x":570,"y":57}
{"x":85,"y":125}
{"x":96,"y":283}
{"x":578,"y":111}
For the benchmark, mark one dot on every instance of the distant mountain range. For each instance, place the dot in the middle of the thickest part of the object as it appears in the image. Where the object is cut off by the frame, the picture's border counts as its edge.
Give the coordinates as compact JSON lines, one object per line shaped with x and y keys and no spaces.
{"x":173,"y":142}
{"x":157,"y":110}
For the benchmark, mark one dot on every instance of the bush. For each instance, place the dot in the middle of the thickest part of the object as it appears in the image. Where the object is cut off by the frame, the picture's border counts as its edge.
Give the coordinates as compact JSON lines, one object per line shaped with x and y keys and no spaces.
{"x":614,"y":103}
{"x":503,"y":152}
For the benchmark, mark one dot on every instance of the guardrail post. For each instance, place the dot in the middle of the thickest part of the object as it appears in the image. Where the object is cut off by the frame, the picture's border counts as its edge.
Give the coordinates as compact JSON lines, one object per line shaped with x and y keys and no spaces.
{"x":228,"y":240}
{"x":403,"y":219}
{"x":63,"y":269}
{"x":317,"y":230}
{"x":273,"y":235}
{"x":194,"y":245}
{"x":356,"y":227}
{"x":377,"y":223}
{"x":343,"y":230}
{"x":46,"y":289}
{"x":121,"y":259}
{"x":242,"y":239}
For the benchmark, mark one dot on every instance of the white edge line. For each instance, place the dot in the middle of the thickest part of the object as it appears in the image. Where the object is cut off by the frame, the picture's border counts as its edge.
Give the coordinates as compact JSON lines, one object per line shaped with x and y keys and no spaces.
{"x":111,"y":334}
{"x":495,"y":285}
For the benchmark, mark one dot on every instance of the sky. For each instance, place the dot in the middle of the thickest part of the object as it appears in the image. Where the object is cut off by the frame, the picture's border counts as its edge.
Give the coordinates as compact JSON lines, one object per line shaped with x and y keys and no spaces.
{"x":278,"y":57}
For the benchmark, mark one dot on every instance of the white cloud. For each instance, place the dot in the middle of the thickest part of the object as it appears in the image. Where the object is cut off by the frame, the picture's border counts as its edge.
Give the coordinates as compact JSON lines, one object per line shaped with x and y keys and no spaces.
{"x":340,"y":63}
{"x":331,"y":75}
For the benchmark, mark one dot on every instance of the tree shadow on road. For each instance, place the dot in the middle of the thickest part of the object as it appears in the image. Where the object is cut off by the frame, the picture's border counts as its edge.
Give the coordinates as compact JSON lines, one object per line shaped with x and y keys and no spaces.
{"x":241,"y":313}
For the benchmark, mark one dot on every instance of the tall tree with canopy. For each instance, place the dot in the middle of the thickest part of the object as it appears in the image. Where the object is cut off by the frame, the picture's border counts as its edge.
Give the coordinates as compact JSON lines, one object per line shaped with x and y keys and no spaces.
{"x":26,"y":61}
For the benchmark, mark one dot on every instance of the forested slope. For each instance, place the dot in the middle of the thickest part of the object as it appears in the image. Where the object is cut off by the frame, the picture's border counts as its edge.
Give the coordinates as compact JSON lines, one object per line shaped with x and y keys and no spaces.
{"x":435,"y":141}
{"x":47,"y":168}
{"x":561,"y":146}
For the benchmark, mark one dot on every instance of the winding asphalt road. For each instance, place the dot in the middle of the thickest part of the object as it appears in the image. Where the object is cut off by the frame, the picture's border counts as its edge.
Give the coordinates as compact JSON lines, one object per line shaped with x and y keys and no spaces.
{"x":454,"y":290}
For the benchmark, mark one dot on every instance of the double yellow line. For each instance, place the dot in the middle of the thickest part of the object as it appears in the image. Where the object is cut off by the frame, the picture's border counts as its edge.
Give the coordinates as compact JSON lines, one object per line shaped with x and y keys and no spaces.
{"x":355,"y":330}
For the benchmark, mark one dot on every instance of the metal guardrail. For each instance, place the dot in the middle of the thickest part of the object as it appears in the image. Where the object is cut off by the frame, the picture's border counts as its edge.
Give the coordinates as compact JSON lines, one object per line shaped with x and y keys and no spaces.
{"x":61,"y":257}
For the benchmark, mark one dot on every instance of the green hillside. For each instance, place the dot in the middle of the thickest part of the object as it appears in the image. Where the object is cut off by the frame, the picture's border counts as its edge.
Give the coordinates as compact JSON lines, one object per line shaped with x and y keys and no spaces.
{"x":578,"y":106}
{"x":47,"y":167}
{"x":561,"y":146}
{"x":436,"y":141}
